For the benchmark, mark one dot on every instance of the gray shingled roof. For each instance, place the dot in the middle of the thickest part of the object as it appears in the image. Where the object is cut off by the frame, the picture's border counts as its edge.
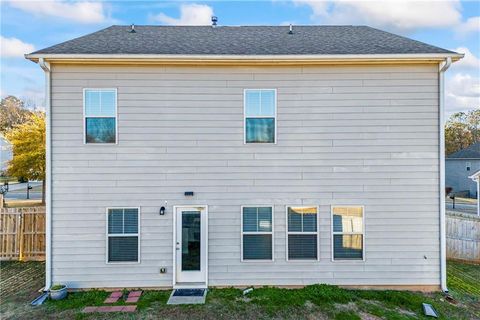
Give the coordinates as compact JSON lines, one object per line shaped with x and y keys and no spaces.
{"x":245,"y":40}
{"x":472,"y":152}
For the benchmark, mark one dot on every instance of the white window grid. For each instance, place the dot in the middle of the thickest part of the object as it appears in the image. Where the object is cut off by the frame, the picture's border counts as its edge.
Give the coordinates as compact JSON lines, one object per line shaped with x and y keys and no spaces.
{"x":245,"y":91}
{"x":303,"y":233}
{"x":108,"y":235}
{"x":348,"y":233}
{"x":271,"y":232}
{"x":85,"y":116}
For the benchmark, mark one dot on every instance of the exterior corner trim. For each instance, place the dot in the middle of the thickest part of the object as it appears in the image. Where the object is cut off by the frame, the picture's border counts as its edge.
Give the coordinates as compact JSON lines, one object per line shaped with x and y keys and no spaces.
{"x":443,"y":251}
{"x":48,"y":174}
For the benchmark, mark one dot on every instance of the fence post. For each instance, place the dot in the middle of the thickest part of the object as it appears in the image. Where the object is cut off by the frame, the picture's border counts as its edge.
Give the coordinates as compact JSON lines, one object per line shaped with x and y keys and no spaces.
{"x":21,"y":236}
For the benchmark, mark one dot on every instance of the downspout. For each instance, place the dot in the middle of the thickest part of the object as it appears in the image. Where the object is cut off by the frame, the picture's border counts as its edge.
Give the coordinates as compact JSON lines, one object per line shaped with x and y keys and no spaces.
{"x":441,"y":102}
{"x":48,"y":175}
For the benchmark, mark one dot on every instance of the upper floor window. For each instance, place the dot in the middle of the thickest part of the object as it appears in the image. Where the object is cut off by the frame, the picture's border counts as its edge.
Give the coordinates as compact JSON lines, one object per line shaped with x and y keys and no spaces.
{"x":260,"y":115}
{"x":100,"y":115}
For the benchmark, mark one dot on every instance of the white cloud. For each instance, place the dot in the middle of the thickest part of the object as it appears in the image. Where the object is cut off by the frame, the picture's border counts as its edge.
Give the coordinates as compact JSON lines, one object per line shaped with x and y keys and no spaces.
{"x":398,"y":15}
{"x":462,"y":92}
{"x":471,"y":25}
{"x":468,"y":61}
{"x":82,"y":11}
{"x":14,"y":48}
{"x":25,"y":81}
{"x":190,"y":14}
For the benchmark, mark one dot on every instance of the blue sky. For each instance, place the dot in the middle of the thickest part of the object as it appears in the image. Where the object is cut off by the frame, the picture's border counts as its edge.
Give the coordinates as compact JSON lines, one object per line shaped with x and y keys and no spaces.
{"x":31,"y":25}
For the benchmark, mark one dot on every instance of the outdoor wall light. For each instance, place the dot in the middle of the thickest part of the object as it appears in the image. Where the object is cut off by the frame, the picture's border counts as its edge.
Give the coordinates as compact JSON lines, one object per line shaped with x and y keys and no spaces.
{"x":162,"y":211}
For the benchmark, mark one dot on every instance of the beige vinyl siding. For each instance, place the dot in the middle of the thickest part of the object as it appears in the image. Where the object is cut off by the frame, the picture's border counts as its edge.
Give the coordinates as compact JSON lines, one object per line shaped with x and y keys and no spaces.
{"x":347,"y":135}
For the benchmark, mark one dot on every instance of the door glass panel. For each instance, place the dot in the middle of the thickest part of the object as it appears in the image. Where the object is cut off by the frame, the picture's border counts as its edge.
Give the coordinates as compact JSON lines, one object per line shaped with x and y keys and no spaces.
{"x":191,"y":241}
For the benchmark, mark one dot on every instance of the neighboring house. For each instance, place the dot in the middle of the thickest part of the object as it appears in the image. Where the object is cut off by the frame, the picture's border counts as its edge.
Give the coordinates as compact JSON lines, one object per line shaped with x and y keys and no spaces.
{"x":5,"y":153}
{"x":476,"y":179}
{"x":459,"y":166}
{"x":231,"y":156}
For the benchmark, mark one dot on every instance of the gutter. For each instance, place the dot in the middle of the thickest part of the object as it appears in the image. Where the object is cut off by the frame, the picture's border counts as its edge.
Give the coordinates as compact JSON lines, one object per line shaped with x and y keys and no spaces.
{"x":48,"y":175}
{"x":233,"y":58}
{"x":441,"y":123}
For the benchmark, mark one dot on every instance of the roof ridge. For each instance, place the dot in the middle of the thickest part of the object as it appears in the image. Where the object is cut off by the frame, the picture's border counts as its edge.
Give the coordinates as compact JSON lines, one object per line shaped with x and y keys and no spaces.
{"x":318,"y":40}
{"x":253,"y":25}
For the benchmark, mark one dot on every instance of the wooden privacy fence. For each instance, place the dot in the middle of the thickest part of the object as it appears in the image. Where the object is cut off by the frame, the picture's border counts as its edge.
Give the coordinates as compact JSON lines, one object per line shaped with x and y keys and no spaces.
{"x":463,"y":236}
{"x":22,"y":234}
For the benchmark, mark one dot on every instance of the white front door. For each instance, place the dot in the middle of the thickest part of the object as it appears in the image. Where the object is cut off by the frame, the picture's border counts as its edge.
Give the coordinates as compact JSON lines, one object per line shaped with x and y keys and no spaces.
{"x":191,"y":245}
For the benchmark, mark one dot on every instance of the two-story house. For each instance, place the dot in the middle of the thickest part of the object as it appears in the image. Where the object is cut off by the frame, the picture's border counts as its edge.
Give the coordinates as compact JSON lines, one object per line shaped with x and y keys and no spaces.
{"x":183,"y":156}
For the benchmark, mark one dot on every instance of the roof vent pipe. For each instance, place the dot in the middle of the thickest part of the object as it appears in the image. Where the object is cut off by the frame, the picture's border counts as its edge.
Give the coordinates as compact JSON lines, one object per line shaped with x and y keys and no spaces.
{"x":214,"y":21}
{"x":132,"y":28}
{"x":291,"y":29}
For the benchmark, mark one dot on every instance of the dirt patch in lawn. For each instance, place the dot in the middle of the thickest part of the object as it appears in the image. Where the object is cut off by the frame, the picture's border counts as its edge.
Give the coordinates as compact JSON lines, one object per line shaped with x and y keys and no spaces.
{"x":21,"y":280}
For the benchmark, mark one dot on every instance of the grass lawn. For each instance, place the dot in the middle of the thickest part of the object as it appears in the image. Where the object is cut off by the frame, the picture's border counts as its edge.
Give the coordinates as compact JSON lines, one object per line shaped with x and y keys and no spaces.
{"x":311,"y":302}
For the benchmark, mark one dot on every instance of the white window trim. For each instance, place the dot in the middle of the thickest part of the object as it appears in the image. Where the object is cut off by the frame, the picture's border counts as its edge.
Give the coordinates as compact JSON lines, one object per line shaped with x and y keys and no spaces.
{"x":258,"y":117}
{"x":107,"y":235}
{"x":242,"y":233}
{"x":85,"y":116}
{"x":348,"y":233}
{"x":317,"y":233}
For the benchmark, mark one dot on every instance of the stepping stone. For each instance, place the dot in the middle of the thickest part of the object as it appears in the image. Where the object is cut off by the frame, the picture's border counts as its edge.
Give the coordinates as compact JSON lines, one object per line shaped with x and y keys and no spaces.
{"x":105,"y":309}
{"x":135,"y":293}
{"x":116,"y":308}
{"x":133,"y":297}
{"x":116,"y":294}
{"x":89,"y":309}
{"x":114,"y":297}
{"x":129,"y":308}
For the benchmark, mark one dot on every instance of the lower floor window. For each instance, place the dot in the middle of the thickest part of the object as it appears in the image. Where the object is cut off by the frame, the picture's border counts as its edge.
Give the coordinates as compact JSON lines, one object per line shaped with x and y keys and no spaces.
{"x":122,"y":235}
{"x":257,"y":233}
{"x":302,"y":233}
{"x":348,"y":232}
{"x":122,"y":249}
